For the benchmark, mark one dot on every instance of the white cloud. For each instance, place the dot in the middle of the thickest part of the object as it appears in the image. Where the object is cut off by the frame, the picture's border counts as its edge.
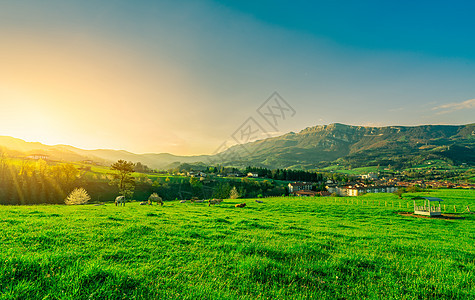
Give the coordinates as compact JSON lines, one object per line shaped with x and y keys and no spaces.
{"x":451,"y":107}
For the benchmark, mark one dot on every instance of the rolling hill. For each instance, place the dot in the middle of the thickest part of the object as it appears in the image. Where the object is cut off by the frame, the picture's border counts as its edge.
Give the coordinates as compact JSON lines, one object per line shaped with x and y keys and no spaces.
{"x":19,"y":148}
{"x":313,"y":147}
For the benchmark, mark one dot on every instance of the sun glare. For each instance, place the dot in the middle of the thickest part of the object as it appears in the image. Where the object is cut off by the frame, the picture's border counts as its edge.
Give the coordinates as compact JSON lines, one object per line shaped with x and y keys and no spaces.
{"x":28,"y":117}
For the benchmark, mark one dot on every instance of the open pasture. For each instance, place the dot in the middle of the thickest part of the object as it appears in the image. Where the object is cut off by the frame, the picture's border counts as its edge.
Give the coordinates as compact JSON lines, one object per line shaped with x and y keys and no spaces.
{"x":284,"y":248}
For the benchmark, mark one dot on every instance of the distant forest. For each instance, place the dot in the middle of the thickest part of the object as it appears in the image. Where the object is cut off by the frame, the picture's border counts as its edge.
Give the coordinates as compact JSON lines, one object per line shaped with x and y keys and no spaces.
{"x":38,"y":182}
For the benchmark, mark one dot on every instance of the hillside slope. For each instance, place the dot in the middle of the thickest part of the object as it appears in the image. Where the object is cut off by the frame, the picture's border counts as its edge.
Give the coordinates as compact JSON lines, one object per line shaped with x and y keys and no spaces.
{"x":360,"y":146}
{"x":313,"y":147}
{"x":20,"y":148}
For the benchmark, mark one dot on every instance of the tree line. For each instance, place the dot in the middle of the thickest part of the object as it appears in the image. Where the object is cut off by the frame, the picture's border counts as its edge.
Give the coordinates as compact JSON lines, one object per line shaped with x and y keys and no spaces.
{"x":34,"y":182}
{"x":25,"y":182}
{"x":284,"y":174}
{"x":275,"y":174}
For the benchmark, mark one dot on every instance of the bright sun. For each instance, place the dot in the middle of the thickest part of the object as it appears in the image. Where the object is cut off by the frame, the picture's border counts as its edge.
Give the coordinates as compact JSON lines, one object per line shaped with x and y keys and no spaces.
{"x":27,"y":117}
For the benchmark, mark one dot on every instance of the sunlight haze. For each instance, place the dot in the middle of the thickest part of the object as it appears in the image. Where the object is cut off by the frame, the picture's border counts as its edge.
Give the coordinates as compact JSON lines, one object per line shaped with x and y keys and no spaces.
{"x":183,"y":76}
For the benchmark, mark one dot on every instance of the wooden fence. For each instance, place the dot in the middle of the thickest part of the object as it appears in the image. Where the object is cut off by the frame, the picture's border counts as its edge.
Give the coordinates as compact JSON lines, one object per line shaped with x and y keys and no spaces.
{"x":401,"y":204}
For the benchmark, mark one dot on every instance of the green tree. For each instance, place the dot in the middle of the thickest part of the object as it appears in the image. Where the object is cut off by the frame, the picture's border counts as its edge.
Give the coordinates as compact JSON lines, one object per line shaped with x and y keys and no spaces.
{"x":141,"y":168}
{"x":3,"y":164}
{"x":65,"y":174}
{"x":194,"y":181}
{"x":124,"y":180}
{"x":222,"y":191}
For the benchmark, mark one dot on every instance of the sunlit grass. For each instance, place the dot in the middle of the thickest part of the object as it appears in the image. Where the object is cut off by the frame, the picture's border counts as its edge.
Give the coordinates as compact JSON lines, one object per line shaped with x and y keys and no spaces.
{"x":284,"y":248}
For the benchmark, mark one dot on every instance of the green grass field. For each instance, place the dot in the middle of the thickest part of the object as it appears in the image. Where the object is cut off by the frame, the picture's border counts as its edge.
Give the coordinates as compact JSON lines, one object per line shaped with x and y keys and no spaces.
{"x":284,"y":248}
{"x":355,"y":171}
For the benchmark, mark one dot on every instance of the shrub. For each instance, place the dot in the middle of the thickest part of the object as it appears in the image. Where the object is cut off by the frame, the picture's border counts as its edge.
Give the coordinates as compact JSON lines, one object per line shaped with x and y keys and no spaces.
{"x":399,"y":192}
{"x":77,"y":196}
{"x":234,"y":194}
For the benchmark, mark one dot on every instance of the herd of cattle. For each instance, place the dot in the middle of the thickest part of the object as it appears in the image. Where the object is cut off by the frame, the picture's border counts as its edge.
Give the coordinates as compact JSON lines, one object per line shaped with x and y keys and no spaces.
{"x":120,"y":200}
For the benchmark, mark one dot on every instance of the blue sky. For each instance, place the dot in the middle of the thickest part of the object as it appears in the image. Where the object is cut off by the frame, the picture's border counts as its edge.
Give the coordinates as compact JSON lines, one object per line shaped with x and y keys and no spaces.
{"x":436,"y":28}
{"x":182,"y":76}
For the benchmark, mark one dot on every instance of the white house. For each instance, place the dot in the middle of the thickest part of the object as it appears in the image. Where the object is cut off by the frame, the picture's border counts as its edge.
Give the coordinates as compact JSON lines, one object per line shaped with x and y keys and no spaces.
{"x":356,"y":191}
{"x":370,"y":176}
{"x":299,"y":186}
{"x":38,"y":156}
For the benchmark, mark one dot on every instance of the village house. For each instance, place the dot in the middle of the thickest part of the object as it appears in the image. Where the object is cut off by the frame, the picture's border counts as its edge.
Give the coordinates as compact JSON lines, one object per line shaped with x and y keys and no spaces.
{"x":332,"y":188}
{"x":196,"y":174}
{"x":359,"y":190}
{"x":234,"y":175}
{"x":299,"y":186}
{"x":38,"y":156}
{"x":369,"y":176}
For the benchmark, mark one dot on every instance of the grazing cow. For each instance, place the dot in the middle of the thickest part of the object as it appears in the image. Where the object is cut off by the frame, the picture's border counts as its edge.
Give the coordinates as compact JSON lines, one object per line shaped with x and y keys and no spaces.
{"x":183,"y":201}
{"x":259,"y":201}
{"x":120,"y":200}
{"x":155,"y":197}
{"x":240,"y":205}
{"x":199,"y":201}
{"x":214,"y":201}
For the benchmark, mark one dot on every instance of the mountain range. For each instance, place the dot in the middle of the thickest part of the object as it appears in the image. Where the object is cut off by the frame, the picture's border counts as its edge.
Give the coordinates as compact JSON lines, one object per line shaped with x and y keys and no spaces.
{"x":314,"y":147}
{"x":326,"y":145}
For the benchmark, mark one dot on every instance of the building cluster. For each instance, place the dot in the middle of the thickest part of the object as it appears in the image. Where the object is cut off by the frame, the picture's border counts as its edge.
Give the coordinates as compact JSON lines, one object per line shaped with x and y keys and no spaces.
{"x":443,"y":184}
{"x":369,"y":183}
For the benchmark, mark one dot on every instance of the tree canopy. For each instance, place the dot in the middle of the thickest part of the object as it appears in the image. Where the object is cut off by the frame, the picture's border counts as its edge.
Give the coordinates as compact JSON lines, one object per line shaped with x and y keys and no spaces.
{"x":124,"y":180}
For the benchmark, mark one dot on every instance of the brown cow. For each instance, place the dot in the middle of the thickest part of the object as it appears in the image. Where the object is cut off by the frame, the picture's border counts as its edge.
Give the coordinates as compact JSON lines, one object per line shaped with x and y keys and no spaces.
{"x":240,"y":205}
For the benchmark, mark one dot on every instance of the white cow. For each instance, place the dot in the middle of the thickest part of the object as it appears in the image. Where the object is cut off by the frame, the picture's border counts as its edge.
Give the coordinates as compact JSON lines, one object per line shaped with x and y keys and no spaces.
{"x":120,"y":200}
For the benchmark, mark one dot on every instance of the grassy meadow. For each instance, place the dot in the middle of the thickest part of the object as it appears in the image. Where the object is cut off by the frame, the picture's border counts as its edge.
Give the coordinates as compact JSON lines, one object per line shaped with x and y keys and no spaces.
{"x":284,"y":248}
